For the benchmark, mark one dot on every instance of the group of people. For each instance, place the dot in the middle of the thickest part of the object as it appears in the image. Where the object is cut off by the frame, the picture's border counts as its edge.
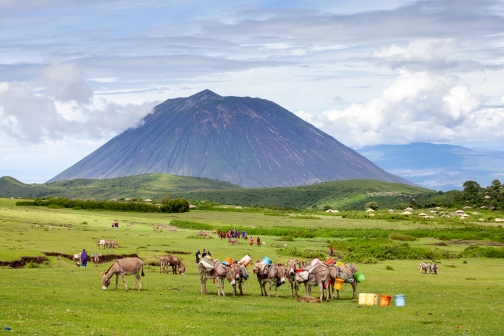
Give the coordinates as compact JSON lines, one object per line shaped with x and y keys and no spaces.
{"x":200,"y":255}
{"x":233,"y":233}
{"x":251,"y":241}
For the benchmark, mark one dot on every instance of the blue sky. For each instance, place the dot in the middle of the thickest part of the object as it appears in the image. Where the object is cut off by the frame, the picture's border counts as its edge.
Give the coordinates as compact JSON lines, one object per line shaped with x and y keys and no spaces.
{"x":74,"y":74}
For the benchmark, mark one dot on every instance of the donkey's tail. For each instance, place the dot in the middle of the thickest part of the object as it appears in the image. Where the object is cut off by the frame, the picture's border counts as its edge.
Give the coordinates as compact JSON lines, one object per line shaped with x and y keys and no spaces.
{"x":143,"y":274}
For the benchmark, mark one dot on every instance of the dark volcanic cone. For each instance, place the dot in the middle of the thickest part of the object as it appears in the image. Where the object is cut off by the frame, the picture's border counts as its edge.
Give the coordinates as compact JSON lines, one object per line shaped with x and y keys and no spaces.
{"x":247,"y":141}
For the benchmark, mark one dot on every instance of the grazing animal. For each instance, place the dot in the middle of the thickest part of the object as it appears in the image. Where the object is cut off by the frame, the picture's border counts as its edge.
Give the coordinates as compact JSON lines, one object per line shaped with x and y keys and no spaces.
{"x":111,"y":243}
{"x":241,"y":275}
{"x":275,"y":275}
{"x":232,"y":241}
{"x":426,"y":268}
{"x":125,"y":266}
{"x":96,"y":259}
{"x":345,"y":272}
{"x":433,"y":268}
{"x":219,"y":273}
{"x":100,"y":242}
{"x":164,"y":262}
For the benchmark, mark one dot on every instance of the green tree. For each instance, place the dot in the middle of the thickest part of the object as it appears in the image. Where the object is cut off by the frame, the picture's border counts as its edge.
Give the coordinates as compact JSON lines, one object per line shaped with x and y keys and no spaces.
{"x":371,"y":205}
{"x":471,"y":187}
{"x":496,"y":185}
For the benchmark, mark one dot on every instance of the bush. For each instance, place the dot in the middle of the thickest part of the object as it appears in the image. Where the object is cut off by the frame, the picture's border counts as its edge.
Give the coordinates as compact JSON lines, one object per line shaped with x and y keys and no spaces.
{"x":32,"y":264}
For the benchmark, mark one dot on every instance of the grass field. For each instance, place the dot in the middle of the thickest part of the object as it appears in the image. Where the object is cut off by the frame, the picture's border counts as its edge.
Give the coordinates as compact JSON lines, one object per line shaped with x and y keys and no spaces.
{"x":59,"y":298}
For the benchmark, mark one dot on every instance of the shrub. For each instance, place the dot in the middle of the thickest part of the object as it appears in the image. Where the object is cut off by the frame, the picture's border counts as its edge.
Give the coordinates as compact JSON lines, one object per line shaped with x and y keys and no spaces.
{"x":32,"y":264}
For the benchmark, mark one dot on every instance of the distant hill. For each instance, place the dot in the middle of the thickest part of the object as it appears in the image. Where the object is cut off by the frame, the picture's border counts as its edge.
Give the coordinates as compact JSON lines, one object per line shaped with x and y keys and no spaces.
{"x":351,"y":194}
{"x":246,"y":141}
{"x":139,"y":186}
{"x":438,"y":167}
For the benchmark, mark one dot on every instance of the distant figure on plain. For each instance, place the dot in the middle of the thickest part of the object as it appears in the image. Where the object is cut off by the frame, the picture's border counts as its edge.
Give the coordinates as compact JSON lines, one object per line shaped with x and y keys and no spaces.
{"x":258,"y":241}
{"x":83,"y":258}
{"x":251,"y":241}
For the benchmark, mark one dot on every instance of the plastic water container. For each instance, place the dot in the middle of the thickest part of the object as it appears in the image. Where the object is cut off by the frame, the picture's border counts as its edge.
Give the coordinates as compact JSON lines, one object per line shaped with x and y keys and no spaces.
{"x":229,"y":261}
{"x":362,"y":298}
{"x":359,"y":276}
{"x":385,"y":300}
{"x":329,"y":261}
{"x":371,"y":299}
{"x":338,"y":284}
{"x":267,"y":261}
{"x":399,"y":300}
{"x":245,"y":260}
{"x":316,"y":262}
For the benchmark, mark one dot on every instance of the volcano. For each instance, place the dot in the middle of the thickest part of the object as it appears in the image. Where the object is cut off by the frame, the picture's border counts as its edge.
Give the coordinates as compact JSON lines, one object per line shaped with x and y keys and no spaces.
{"x":247,"y":141}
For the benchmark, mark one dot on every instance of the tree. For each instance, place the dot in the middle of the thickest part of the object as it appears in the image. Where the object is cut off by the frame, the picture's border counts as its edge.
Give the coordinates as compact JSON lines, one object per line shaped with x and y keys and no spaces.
{"x":496,"y":185}
{"x":371,"y":205}
{"x":471,"y":187}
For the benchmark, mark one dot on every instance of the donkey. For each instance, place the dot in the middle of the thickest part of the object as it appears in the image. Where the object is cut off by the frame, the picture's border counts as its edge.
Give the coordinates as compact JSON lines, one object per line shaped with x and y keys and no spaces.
{"x":96,"y":259}
{"x":241,"y":274}
{"x":219,"y":272}
{"x":100,"y":242}
{"x":426,"y":268}
{"x":292,"y":267}
{"x":345,"y":272}
{"x":318,"y":276}
{"x":125,"y":266}
{"x":177,"y":265}
{"x":164,"y":262}
{"x":111,"y":243}
{"x":275,"y":275}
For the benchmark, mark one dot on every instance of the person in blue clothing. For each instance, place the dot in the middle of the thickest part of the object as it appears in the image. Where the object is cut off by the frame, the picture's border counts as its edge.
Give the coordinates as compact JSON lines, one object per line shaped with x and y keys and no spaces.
{"x":198,"y":253}
{"x":83,"y":258}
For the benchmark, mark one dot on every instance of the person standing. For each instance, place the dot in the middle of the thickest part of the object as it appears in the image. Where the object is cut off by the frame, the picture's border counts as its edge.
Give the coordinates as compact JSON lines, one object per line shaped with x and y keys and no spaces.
{"x":204,"y":253}
{"x":251,"y":241}
{"x":197,"y":256}
{"x":331,"y":251}
{"x":83,"y":258}
{"x":258,"y":241}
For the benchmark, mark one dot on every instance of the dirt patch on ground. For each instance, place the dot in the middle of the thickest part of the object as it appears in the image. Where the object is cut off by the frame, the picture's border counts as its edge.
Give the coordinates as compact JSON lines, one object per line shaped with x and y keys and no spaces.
{"x":20,"y":263}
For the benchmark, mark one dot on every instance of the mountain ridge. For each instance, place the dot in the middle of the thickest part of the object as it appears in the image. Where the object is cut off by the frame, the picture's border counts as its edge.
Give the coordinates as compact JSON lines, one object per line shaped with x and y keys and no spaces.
{"x":250,"y":142}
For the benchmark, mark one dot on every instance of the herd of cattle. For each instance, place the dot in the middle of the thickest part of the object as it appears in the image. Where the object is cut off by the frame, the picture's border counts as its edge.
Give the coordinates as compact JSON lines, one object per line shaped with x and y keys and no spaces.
{"x":295,"y":271}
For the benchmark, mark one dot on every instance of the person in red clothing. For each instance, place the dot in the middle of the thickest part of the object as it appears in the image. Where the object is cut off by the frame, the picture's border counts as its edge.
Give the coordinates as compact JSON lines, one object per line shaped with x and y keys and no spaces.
{"x":258,"y":241}
{"x":251,"y":241}
{"x":331,"y":251}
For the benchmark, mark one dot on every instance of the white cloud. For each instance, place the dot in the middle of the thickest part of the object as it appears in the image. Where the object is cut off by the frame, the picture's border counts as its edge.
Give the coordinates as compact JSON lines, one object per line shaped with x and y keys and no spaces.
{"x":64,"y":108}
{"x":416,"y":107}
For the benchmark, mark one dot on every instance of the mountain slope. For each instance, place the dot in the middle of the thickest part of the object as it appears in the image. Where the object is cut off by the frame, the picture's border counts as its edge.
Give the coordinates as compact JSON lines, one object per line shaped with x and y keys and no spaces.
{"x":247,"y":141}
{"x":439,"y":167}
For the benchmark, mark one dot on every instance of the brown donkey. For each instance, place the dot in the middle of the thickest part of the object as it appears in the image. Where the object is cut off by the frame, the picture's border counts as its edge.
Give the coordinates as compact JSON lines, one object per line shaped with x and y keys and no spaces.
{"x":219,"y":272}
{"x":125,"y":266}
{"x":275,"y":275}
{"x":345,"y":272}
{"x":318,"y":276}
{"x":241,"y":274}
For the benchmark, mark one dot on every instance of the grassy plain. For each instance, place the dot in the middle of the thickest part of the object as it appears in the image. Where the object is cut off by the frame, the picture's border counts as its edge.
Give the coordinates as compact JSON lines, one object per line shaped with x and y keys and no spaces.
{"x":59,"y":298}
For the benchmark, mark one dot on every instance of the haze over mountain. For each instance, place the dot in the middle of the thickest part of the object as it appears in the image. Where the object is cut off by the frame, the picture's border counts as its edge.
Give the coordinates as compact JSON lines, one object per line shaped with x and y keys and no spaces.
{"x":247,"y":141}
{"x":438,"y":167}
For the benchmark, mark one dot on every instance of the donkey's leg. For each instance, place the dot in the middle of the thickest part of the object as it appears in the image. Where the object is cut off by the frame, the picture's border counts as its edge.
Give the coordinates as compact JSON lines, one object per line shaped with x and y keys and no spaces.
{"x":354,"y":286}
{"x":124,"y":280}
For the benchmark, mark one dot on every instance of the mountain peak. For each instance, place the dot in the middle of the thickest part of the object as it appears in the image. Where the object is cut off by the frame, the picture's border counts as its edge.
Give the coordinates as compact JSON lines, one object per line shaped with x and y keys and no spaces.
{"x":205,"y":95}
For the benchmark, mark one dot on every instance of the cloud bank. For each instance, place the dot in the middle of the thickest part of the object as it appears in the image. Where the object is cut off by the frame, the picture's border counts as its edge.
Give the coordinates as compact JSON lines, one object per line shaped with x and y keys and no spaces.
{"x":60,"y":104}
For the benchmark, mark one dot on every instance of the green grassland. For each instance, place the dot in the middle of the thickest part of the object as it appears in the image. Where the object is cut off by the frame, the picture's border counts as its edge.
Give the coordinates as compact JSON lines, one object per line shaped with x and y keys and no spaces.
{"x":351,"y":194}
{"x":139,"y":186}
{"x":59,"y":298}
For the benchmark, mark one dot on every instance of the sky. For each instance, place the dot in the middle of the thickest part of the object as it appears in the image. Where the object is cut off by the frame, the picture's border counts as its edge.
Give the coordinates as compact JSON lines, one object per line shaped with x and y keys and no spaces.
{"x":74,"y":74}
